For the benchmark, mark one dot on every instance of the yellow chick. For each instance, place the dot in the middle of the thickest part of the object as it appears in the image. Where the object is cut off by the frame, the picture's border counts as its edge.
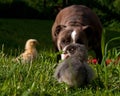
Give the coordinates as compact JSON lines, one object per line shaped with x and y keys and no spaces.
{"x":30,"y":52}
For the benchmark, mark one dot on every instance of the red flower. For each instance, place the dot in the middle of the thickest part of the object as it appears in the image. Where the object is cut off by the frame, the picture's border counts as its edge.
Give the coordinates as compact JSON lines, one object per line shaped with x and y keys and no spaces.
{"x":94,"y":61}
{"x":108,"y":61}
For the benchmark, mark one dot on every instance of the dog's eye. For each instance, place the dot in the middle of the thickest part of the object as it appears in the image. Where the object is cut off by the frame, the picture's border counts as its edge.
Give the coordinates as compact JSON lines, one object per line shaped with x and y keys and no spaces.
{"x":65,"y":41}
{"x":79,"y":41}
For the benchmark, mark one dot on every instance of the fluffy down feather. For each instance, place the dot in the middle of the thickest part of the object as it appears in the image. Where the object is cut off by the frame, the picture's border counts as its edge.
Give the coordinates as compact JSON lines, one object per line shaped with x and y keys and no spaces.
{"x":30,"y":52}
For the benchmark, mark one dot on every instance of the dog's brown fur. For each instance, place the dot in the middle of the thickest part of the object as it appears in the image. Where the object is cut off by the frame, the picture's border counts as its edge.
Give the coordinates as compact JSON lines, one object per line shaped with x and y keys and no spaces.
{"x":86,"y":24}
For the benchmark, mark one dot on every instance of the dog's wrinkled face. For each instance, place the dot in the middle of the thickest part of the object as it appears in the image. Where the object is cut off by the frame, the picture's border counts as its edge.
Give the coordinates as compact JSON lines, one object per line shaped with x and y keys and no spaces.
{"x":71,"y":35}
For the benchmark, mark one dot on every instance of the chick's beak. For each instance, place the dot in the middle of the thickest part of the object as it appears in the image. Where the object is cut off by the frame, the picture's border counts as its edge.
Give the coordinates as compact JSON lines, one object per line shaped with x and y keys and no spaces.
{"x":65,"y":55}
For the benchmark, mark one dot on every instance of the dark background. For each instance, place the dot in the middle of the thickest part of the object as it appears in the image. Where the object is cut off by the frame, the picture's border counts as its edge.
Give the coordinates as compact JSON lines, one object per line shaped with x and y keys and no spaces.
{"x":47,"y":9}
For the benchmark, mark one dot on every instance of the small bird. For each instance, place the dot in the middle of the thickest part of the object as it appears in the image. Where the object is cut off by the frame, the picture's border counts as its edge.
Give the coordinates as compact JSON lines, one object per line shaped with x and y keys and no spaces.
{"x":30,"y":52}
{"x":74,"y":69}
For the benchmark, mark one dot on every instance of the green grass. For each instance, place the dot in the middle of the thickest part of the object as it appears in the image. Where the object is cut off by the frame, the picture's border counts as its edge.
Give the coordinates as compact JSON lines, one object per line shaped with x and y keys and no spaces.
{"x":37,"y":79}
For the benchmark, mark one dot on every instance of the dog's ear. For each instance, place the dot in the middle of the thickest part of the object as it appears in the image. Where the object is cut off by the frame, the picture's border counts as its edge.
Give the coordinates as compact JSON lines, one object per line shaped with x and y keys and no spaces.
{"x":58,"y":29}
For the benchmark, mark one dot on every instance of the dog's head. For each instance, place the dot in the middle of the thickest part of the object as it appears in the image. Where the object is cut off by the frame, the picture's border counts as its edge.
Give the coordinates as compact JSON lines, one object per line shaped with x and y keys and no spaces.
{"x":72,"y":34}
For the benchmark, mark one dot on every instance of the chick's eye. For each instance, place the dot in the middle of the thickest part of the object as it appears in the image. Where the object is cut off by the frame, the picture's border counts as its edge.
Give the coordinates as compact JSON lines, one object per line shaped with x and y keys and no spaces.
{"x":33,"y":42}
{"x":71,"y":50}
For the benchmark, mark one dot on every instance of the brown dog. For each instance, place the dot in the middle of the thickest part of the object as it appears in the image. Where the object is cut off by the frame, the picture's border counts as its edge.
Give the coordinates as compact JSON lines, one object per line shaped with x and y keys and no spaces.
{"x":77,"y":24}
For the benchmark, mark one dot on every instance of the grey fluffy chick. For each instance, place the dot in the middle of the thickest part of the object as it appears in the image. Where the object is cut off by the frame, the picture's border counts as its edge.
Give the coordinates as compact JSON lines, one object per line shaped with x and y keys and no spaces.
{"x":74,"y":69}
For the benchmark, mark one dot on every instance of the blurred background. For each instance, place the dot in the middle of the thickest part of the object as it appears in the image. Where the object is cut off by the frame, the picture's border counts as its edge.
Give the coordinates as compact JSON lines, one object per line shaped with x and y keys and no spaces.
{"x":47,"y":9}
{"x":24,"y":19}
